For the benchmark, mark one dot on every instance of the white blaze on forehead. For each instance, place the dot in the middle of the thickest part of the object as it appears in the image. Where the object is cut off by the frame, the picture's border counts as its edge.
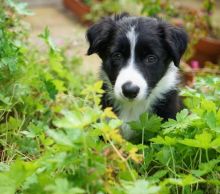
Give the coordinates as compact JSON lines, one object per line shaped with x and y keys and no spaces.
{"x":130,"y":73}
{"x":132,"y":37}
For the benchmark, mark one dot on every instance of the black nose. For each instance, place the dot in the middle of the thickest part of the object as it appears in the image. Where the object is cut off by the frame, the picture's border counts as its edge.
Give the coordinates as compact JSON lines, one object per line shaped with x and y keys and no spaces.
{"x":129,"y":90}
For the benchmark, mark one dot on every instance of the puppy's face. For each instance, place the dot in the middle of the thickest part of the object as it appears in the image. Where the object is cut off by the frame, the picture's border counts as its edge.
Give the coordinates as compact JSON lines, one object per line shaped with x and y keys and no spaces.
{"x":136,"y":53}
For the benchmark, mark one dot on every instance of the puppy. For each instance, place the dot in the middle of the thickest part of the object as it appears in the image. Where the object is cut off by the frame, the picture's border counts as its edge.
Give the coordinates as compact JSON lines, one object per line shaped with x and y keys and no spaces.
{"x":140,"y":59}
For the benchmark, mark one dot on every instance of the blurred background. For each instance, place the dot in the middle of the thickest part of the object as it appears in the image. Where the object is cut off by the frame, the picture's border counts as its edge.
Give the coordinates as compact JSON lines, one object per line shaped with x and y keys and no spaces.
{"x":69,"y":19}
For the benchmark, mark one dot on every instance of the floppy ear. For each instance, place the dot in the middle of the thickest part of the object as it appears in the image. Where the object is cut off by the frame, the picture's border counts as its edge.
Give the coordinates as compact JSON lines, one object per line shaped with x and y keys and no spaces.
{"x":176,"y":41}
{"x":99,"y":35}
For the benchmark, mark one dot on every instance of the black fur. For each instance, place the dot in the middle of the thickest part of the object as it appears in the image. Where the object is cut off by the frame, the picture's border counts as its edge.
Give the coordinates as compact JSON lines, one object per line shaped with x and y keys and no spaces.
{"x":168,"y":107}
{"x":157,"y":37}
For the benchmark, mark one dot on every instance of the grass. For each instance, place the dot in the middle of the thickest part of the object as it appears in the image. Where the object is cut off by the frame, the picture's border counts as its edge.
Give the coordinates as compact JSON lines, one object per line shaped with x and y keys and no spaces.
{"x":51,"y":123}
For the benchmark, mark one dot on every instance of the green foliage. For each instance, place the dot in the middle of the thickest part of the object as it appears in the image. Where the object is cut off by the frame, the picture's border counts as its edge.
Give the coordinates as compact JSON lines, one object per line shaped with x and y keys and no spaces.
{"x":185,"y":150}
{"x":55,"y":138}
{"x":19,"y":7}
{"x":183,"y":121}
{"x":99,"y":9}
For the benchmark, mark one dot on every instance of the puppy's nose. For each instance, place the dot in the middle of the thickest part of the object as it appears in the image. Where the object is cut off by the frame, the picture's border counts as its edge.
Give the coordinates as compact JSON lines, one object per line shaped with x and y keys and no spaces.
{"x":130,"y":90}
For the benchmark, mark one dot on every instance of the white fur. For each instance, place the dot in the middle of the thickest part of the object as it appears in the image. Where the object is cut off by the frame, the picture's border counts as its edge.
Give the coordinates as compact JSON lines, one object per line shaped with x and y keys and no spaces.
{"x":131,"y":111}
{"x":129,"y":73}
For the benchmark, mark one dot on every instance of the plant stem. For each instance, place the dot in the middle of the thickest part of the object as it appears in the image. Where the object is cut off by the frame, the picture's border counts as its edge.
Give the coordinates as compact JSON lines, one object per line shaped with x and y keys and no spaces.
{"x":207,"y":155}
{"x":123,"y":159}
{"x":142,"y":141}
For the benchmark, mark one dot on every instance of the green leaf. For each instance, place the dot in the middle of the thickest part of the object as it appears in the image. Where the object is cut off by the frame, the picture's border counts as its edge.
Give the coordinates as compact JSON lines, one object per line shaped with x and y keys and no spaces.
{"x":166,"y":140}
{"x":164,"y":155}
{"x":141,"y":187}
{"x":20,"y":7}
{"x":51,"y":89}
{"x":59,"y":85}
{"x":153,"y":123}
{"x":150,"y":123}
{"x":210,"y":119}
{"x":208,"y":105}
{"x":62,"y":186}
{"x":11,"y":62}
{"x":202,"y":140}
{"x":7,"y":185}
{"x":4,"y":99}
{"x":60,"y":137}
{"x":182,"y":122}
{"x":205,"y":168}
{"x":180,"y":116}
{"x":134,"y":125}
{"x":127,"y":175}
{"x":11,"y":180}
{"x":183,"y":181}
{"x":158,"y":175}
{"x":76,"y":118}
{"x":115,"y":123}
{"x":215,"y":143}
{"x":47,"y":38}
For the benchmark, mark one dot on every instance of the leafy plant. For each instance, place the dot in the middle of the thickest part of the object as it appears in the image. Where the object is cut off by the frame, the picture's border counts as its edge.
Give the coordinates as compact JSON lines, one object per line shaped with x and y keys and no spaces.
{"x":55,"y":138}
{"x":108,"y":7}
{"x":208,"y":9}
{"x":189,"y":145}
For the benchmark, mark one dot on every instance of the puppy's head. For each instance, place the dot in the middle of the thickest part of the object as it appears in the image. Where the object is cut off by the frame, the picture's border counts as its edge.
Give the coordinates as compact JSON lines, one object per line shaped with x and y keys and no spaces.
{"x":136,"y":52}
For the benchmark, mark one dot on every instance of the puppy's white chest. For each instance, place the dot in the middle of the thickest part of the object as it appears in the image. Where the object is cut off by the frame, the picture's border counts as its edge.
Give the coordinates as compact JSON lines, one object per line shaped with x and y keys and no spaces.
{"x":130,"y":113}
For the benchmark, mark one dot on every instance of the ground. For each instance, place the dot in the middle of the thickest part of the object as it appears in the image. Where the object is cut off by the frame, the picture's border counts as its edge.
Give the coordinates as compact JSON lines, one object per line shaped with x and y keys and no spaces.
{"x":64,"y":28}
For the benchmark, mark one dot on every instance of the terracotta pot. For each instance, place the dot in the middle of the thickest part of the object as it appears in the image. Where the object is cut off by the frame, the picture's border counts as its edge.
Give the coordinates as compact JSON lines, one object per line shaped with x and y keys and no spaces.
{"x":79,"y":8}
{"x":207,"y":49}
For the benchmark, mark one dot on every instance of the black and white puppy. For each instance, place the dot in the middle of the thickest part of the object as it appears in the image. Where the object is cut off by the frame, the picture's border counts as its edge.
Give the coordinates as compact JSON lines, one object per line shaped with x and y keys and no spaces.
{"x":140,"y":59}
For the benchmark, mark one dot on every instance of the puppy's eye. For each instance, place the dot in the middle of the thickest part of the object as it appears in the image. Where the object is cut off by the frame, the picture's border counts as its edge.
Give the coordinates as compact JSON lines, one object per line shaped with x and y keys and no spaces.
{"x":116,"y":56}
{"x":151,"y":59}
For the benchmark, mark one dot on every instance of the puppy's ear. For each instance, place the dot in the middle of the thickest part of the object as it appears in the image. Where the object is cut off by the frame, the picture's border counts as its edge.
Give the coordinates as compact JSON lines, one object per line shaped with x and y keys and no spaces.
{"x":176,"y":41}
{"x":99,"y":35}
